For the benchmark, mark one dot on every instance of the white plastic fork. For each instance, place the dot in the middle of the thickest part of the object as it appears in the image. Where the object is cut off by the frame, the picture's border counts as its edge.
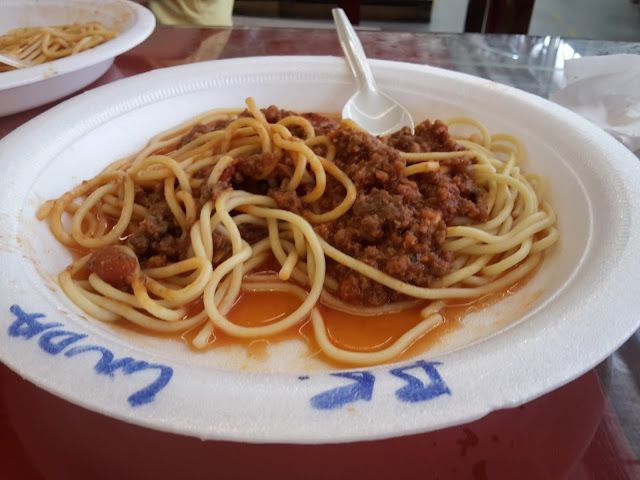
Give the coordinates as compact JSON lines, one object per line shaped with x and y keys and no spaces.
{"x":368,"y":107}
{"x":13,"y":61}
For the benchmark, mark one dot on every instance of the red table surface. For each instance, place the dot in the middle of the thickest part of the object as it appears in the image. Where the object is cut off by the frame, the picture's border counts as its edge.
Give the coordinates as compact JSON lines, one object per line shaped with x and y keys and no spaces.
{"x":570,"y":433}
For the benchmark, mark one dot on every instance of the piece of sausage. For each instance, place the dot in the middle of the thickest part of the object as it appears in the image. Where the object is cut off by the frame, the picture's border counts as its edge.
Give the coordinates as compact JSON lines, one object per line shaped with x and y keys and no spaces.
{"x":113,"y":265}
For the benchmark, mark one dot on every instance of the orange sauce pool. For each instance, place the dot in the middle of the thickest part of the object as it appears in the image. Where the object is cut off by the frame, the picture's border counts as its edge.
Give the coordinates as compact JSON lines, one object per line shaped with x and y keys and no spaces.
{"x":346,"y":331}
{"x":253,"y":309}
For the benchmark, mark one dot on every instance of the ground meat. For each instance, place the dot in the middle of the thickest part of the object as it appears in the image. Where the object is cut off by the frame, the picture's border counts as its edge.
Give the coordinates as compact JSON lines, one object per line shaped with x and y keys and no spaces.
{"x":367,"y":161}
{"x":288,"y":200}
{"x":454,"y":196}
{"x":397,"y":224}
{"x":201,"y":129}
{"x":194,"y":133}
{"x":358,"y":289}
{"x":403,"y":240}
{"x":154,"y":225}
{"x":274,"y":114}
{"x":428,"y":137}
{"x":221,"y":248}
{"x":147,"y":198}
{"x":222,"y":245}
{"x":259,"y":166}
{"x":157,"y":239}
{"x":252,"y":233}
{"x":321,"y":123}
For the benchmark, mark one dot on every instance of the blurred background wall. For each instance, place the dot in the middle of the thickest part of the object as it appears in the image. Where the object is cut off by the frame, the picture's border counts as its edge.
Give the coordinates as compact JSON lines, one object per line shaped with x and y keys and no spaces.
{"x":588,"y":19}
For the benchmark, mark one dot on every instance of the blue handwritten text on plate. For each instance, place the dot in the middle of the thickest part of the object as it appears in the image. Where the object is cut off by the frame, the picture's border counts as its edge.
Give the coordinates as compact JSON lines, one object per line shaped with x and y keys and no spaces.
{"x":54,"y":340}
{"x":360,"y":389}
{"x":416,"y":390}
{"x":362,"y":383}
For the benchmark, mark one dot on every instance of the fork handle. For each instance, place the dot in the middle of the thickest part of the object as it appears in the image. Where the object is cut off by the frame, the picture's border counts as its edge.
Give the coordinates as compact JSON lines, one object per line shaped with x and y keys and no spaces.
{"x":353,"y":50}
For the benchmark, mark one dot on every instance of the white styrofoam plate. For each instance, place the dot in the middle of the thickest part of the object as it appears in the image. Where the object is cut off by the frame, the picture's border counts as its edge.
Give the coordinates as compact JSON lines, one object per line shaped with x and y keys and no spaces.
{"x":579,"y":307}
{"x":31,"y":87}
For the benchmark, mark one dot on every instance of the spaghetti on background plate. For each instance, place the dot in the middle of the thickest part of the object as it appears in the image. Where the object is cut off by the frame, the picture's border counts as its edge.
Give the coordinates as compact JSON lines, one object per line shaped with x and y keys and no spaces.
{"x":40,"y":44}
{"x":323,"y":218}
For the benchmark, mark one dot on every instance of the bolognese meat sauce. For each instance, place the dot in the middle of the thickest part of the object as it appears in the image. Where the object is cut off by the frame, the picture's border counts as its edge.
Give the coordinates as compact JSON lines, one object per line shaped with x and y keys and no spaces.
{"x":397,"y":224}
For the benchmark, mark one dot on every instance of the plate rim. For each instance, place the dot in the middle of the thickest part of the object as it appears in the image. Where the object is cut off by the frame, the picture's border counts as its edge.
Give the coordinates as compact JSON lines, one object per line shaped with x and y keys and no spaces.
{"x":50,"y":115}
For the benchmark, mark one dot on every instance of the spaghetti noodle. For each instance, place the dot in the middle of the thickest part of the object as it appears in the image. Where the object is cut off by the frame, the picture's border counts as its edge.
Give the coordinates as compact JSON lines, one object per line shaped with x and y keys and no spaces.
{"x":271,"y":200}
{"x":37,"y":45}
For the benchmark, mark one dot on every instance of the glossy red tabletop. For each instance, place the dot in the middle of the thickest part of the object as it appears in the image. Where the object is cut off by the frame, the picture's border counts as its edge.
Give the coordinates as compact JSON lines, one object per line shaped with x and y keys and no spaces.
{"x":574,"y":432}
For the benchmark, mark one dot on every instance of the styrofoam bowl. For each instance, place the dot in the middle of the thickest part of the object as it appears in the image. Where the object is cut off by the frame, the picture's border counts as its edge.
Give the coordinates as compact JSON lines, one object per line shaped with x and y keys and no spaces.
{"x":579,"y":307}
{"x":32,"y":87}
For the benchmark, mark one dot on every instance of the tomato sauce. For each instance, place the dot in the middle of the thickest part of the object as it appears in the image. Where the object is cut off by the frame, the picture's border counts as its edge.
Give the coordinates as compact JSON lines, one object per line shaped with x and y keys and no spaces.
{"x":347,"y":331}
